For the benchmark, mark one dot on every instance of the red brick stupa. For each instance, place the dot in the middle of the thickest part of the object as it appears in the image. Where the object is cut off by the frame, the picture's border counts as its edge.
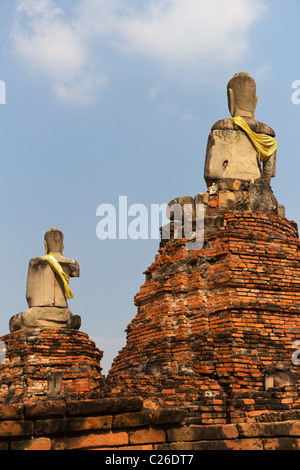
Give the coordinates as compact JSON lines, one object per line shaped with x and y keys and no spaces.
{"x":216,"y":324}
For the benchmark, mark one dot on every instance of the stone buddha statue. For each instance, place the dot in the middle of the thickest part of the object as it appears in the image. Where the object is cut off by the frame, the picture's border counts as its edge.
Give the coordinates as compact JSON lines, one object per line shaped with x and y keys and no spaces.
{"x":230,"y":152}
{"x":239,"y":164}
{"x":48,"y":288}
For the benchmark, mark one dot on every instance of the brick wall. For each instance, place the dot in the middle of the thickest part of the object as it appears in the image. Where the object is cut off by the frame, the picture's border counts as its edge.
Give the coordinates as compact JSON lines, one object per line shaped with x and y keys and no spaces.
{"x":126,"y":424}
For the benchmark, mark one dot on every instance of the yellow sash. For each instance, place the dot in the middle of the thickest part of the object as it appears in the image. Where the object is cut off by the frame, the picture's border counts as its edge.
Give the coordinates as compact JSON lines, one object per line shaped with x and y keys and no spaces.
{"x":61,"y":274}
{"x":264,"y":144}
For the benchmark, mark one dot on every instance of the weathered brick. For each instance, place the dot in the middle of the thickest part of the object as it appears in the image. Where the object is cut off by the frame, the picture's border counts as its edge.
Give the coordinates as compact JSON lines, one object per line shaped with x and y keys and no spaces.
{"x":41,"y":443}
{"x":281,"y":443}
{"x":155,"y":417}
{"x":12,"y":411}
{"x":127,"y":420}
{"x":74,"y":424}
{"x":245,"y":444}
{"x":171,"y":446}
{"x":45,"y":409}
{"x":168,"y":416}
{"x":286,"y":428}
{"x":104,"y":405}
{"x":16,"y":428}
{"x":91,"y":441}
{"x":293,"y":428}
{"x":195,"y":433}
{"x":146,"y":436}
{"x":235,"y":444}
{"x":137,"y":447}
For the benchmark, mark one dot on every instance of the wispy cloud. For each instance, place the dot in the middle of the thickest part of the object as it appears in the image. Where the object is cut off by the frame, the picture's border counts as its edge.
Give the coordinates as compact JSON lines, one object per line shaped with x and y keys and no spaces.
{"x":191,"y":34}
{"x":183,"y":36}
{"x":44,"y":39}
{"x":81,"y":91}
{"x":263,"y":72}
{"x":49,"y":43}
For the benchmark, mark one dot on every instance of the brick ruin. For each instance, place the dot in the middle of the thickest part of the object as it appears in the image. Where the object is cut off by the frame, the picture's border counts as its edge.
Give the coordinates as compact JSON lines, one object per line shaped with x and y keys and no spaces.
{"x":212,"y":327}
{"x":210,"y":360}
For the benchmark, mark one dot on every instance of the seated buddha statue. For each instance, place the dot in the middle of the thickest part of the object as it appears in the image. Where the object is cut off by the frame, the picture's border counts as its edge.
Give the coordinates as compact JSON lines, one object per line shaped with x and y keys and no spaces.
{"x":48,"y":288}
{"x":240,"y":147}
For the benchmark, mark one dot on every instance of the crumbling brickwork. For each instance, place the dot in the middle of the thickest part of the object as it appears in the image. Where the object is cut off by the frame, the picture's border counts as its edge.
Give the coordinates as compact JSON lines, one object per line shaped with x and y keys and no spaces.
{"x":211,"y":323}
{"x":48,"y":363}
{"x":210,"y":356}
{"x":209,"y":351}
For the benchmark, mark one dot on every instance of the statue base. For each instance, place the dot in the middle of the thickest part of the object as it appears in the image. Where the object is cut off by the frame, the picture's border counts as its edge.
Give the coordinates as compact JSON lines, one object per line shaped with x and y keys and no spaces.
{"x":50,"y":363}
{"x":45,"y":317}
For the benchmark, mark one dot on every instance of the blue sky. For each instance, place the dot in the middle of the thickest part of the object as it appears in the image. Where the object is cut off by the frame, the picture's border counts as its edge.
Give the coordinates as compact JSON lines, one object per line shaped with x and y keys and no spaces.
{"x":109,"y":98}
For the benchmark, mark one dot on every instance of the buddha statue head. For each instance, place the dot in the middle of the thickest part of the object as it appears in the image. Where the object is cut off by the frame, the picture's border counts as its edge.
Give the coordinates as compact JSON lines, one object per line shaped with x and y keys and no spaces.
{"x":242,"y":97}
{"x":54,"y":241}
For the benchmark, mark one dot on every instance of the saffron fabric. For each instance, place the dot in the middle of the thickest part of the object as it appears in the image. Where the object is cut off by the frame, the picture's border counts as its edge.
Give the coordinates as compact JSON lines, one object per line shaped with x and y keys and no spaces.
{"x":264,"y":144}
{"x":61,"y":274}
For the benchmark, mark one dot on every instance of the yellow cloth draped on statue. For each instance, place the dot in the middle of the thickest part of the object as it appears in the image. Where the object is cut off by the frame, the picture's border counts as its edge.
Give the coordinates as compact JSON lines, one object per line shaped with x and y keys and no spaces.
{"x":61,"y":274}
{"x":264,"y":144}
